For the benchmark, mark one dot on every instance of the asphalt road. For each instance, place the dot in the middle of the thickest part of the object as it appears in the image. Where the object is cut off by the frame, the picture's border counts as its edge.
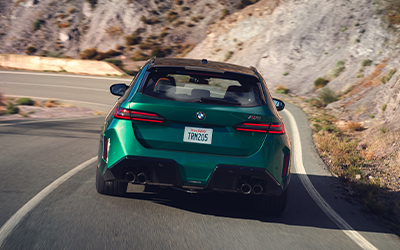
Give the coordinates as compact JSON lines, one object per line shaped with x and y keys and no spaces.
{"x":33,"y":154}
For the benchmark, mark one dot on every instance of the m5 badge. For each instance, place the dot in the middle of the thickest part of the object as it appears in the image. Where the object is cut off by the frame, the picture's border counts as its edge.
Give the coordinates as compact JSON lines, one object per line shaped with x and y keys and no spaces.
{"x":254,"y":118}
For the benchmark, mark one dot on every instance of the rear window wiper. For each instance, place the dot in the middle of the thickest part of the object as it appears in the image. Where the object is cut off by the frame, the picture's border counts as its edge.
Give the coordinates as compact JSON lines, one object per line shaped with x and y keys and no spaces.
{"x":218,"y":101}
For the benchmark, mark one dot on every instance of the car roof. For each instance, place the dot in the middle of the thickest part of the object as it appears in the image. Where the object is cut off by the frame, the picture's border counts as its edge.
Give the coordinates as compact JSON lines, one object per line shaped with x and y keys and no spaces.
{"x":202,"y":65}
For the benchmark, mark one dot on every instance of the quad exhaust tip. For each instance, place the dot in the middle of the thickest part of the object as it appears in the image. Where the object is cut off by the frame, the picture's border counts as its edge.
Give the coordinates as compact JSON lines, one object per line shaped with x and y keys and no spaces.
{"x":130,"y":177}
{"x":245,"y":188}
{"x":257,"y":189}
{"x":142,"y":178}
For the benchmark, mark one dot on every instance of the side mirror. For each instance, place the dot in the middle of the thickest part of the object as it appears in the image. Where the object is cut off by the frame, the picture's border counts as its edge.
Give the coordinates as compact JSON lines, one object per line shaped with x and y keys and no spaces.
{"x":118,"y":89}
{"x":280,"y":105}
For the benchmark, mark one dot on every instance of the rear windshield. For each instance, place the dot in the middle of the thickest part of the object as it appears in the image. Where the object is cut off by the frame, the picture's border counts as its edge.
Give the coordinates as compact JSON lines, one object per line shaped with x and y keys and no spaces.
{"x":203,"y":87}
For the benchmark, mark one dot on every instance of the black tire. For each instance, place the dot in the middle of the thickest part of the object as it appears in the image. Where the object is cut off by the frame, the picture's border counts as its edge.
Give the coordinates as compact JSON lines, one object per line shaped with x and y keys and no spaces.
{"x":272,"y":204}
{"x":114,"y":188}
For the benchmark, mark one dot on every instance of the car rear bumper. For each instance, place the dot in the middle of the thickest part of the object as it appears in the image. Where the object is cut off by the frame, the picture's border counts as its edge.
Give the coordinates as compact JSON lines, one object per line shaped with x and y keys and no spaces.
{"x":165,"y":172}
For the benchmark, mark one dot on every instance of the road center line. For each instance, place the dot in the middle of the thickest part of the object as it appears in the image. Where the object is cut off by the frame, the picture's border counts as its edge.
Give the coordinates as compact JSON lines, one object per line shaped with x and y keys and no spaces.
{"x":9,"y":226}
{"x":328,"y":210}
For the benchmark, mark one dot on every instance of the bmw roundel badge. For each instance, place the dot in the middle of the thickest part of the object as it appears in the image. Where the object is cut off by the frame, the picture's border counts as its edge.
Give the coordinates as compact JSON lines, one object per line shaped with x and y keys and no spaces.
{"x":200,"y":115}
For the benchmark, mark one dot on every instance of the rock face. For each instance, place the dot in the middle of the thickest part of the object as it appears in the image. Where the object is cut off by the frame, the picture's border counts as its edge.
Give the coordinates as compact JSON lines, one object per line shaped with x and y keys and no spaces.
{"x":294,"y":42}
{"x":66,"y":28}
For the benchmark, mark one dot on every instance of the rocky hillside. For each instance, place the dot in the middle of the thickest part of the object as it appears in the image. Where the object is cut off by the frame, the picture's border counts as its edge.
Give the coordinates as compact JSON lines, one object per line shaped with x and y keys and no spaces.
{"x":133,"y":28}
{"x":351,"y":46}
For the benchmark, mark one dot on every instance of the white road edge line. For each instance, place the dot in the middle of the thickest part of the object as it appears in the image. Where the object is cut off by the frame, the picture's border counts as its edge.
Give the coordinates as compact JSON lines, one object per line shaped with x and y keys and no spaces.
{"x":328,"y":210}
{"x":54,"y":86}
{"x":63,"y":100}
{"x":9,"y":226}
{"x":64,"y":75}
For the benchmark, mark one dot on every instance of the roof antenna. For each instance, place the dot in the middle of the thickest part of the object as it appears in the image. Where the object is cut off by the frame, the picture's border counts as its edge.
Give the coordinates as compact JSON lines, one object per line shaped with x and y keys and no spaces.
{"x":204,"y":61}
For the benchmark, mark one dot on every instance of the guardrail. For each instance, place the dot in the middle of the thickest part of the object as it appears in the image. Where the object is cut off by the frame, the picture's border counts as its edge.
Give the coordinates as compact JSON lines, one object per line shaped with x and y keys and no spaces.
{"x":59,"y":64}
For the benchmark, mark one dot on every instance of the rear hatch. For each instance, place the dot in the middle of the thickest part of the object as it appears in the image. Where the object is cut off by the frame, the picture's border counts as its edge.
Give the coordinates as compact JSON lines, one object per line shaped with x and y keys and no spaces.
{"x":198,"y":127}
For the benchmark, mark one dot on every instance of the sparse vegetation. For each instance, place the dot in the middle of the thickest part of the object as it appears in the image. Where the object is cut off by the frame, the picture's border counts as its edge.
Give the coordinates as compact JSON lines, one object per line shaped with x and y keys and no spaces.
{"x":140,"y":56}
{"x":116,"y":62}
{"x":383,"y":130}
{"x":355,"y":126}
{"x":244,"y":3}
{"x":30,"y":50}
{"x":93,"y":3}
{"x":282,"y":90}
{"x":93,"y":54}
{"x":11,"y":109}
{"x":285,"y":73}
{"x":224,"y":13}
{"x":384,"y":106}
{"x":372,"y":116}
{"x":25,"y":101}
{"x":37,"y":24}
{"x":114,"y":31}
{"x":327,"y":96}
{"x":172,"y":16}
{"x":320,"y":82}
{"x":366,"y":62}
{"x":386,"y":78}
{"x":343,"y":29}
{"x":339,"y":69}
{"x":132,"y":39}
{"x":228,"y":55}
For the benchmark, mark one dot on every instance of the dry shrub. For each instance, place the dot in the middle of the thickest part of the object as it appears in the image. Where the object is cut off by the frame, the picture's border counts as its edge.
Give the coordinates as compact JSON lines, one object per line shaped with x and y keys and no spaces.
{"x":140,"y":56}
{"x":282,"y":89}
{"x":343,"y":153}
{"x":71,"y":10}
{"x":368,"y":155}
{"x":64,"y":25}
{"x":355,"y":126}
{"x":51,"y":103}
{"x":62,"y":15}
{"x":114,"y":31}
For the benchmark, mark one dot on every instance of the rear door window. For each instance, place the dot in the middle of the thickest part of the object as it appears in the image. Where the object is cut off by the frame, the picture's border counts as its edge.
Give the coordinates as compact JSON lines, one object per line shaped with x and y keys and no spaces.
{"x":203,"y":87}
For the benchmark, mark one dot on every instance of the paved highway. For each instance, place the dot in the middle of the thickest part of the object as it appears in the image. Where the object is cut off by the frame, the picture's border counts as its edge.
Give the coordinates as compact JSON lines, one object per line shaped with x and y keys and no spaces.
{"x":48,"y":198}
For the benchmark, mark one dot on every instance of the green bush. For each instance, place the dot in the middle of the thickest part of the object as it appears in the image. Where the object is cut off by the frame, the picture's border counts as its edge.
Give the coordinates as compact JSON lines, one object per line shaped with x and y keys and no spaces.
{"x":25,"y":101}
{"x":116,"y":62}
{"x":366,"y":62}
{"x":224,"y":13}
{"x":285,"y":73}
{"x":337,"y":71}
{"x":228,"y":55}
{"x":30,"y":50}
{"x":11,"y":109}
{"x":37,"y":24}
{"x":320,"y":82}
{"x":132,"y":40}
{"x":327,"y":96}
{"x":340,"y":63}
{"x":384,"y":106}
{"x":281,"y":90}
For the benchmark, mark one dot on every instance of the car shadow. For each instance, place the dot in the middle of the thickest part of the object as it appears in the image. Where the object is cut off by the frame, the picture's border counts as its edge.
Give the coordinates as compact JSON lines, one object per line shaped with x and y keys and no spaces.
{"x":301,"y":210}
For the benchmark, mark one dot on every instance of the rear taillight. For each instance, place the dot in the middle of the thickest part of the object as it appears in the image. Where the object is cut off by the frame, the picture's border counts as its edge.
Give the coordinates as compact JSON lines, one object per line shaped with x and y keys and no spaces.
{"x":128,"y":114}
{"x":106,"y":145}
{"x":272,"y":128}
{"x":285,"y":166}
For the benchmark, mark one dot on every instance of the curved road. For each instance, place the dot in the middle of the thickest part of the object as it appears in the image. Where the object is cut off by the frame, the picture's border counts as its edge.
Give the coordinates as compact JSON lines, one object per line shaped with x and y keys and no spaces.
{"x":41,"y":208}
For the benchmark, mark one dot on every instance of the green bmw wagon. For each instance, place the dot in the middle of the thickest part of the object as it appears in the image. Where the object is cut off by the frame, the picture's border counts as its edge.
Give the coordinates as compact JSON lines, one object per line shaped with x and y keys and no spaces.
{"x":196,"y":126}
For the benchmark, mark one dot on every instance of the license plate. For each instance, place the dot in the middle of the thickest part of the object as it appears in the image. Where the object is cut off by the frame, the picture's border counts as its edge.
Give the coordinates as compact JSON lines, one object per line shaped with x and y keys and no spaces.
{"x":198,"y":135}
